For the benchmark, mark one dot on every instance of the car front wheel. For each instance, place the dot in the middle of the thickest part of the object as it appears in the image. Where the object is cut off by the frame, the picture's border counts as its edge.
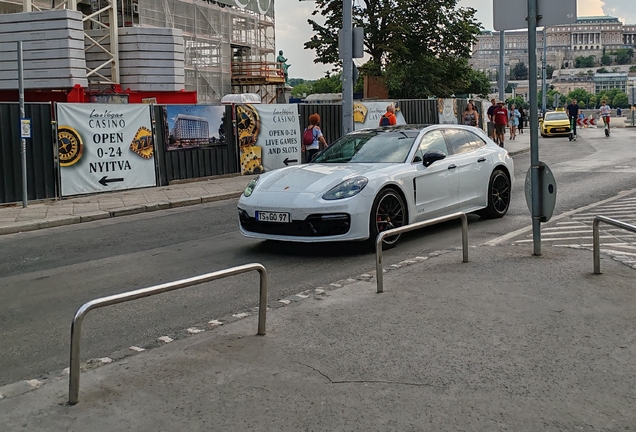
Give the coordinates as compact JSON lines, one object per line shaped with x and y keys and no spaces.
{"x":498,"y":195}
{"x":388,"y":212}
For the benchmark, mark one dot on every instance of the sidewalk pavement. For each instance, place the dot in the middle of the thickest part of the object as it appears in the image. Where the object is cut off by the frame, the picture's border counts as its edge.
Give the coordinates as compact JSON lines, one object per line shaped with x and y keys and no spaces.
{"x":52,"y":213}
{"x":506,"y":341}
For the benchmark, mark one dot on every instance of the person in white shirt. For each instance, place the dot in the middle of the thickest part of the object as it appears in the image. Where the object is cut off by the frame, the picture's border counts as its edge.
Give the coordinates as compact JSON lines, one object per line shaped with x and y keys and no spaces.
{"x":605,"y":114}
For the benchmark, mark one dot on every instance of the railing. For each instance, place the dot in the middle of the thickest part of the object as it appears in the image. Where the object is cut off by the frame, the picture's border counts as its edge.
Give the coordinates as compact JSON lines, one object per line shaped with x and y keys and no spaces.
{"x":597,"y":238}
{"x":257,"y":69}
{"x":76,"y":326}
{"x":378,"y":242}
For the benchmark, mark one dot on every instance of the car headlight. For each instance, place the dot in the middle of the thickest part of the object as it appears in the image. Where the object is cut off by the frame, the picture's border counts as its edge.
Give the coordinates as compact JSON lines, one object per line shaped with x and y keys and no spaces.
{"x":346,"y":189}
{"x":250,"y":187}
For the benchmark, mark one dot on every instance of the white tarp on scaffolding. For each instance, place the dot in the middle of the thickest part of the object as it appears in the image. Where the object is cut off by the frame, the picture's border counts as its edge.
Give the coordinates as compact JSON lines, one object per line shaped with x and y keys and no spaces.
{"x":243,"y":98}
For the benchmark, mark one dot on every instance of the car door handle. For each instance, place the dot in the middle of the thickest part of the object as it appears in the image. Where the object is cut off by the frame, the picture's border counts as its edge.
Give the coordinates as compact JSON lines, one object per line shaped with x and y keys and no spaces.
{"x":483,"y":159}
{"x":451,"y":167}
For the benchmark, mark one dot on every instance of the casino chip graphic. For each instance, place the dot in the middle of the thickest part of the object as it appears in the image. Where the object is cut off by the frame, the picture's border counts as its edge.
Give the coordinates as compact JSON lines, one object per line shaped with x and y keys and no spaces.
{"x":70,"y":146}
{"x":248,"y":125}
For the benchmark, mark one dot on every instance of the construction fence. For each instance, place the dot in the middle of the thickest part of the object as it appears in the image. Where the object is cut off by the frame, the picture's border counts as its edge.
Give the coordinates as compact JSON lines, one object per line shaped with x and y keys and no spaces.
{"x":79,"y":149}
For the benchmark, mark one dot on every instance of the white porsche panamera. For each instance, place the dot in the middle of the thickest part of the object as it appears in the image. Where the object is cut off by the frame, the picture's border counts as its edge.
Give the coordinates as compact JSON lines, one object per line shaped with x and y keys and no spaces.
{"x":373,"y":180}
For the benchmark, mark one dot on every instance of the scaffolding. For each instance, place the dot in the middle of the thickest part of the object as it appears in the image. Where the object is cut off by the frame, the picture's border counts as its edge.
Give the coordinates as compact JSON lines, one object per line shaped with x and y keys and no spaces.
{"x":229,"y":45}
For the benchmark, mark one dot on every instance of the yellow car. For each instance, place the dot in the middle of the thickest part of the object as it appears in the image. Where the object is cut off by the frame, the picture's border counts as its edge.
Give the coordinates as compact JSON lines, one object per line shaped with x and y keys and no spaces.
{"x":555,"y":123}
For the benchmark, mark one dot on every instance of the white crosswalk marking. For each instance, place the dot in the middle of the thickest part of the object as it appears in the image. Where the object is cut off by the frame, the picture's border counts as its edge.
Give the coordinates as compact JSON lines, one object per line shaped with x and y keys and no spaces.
{"x":576,"y":231}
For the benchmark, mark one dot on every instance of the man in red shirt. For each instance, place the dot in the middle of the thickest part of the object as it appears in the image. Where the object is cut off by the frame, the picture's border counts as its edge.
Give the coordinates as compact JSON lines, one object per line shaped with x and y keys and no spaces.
{"x":501,"y":119}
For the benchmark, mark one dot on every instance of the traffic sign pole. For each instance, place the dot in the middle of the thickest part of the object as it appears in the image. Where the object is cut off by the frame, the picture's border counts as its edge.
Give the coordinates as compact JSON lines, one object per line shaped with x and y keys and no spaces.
{"x":534,"y":127}
{"x":347,"y":67}
{"x":502,"y":66}
{"x":22,"y":115}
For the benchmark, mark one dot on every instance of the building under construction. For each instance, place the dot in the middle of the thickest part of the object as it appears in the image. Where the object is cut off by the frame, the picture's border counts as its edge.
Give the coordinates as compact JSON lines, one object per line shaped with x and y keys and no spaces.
{"x":158,"y":48}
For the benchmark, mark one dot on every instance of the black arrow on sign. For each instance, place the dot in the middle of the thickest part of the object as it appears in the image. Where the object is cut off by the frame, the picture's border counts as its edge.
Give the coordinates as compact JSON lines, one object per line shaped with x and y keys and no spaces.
{"x":287,"y":161}
{"x":105,"y":180}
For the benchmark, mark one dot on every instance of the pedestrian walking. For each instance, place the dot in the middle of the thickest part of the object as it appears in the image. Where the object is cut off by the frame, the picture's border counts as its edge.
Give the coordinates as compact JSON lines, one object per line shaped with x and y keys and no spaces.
{"x":471,"y":115}
{"x":313,"y":138}
{"x":491,"y":119}
{"x":522,"y":119}
{"x":500,"y":116}
{"x":514,"y":121}
{"x":573,"y":111}
{"x":388,"y":118}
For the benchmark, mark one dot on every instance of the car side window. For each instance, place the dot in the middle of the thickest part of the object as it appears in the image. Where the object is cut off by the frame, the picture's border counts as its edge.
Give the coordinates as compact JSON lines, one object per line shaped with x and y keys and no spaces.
{"x":433,"y":140}
{"x":476,"y":140}
{"x":460,"y":140}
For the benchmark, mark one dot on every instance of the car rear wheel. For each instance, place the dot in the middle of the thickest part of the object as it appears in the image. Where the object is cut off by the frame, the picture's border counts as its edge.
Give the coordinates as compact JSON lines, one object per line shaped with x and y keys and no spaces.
{"x":498,"y":196}
{"x":388,"y":212}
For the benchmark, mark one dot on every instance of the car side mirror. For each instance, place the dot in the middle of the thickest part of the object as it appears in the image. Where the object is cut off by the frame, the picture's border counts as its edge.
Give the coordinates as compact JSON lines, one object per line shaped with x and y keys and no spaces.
{"x":433,"y":156}
{"x":541,"y":120}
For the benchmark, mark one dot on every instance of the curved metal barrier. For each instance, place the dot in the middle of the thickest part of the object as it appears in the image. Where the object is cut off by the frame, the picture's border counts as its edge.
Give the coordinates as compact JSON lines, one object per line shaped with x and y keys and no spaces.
{"x":597,"y":237}
{"x":378,"y":242}
{"x":76,"y":326}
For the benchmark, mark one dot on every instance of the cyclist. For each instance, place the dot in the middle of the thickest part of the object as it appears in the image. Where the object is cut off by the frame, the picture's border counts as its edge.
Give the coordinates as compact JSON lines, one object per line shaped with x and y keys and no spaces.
{"x":605,"y":115}
{"x":573,"y":111}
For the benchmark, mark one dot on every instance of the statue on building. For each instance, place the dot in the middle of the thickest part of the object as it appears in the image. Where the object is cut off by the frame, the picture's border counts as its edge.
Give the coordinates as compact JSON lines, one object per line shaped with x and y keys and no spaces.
{"x":282,"y":63}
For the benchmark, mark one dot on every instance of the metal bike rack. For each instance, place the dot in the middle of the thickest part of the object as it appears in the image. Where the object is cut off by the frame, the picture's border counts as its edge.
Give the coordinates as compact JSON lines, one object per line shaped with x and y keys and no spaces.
{"x":76,"y":326}
{"x":597,"y":238}
{"x":378,"y":242}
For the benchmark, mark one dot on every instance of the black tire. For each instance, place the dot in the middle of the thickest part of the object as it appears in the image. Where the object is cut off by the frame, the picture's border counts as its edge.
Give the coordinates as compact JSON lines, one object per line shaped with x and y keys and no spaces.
{"x":498,"y":196}
{"x":388,"y":211}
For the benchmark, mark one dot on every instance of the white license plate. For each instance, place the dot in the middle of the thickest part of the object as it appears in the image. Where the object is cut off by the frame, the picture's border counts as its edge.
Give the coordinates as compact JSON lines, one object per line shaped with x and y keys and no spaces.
{"x":263,"y":216}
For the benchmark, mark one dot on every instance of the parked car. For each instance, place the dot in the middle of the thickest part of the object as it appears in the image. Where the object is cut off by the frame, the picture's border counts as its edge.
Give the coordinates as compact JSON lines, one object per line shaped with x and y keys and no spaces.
{"x":555,"y":123}
{"x":373,"y":180}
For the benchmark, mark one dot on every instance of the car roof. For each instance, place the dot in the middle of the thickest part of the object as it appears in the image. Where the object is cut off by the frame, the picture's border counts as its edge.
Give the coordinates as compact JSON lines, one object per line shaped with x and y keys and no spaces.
{"x":398,"y":128}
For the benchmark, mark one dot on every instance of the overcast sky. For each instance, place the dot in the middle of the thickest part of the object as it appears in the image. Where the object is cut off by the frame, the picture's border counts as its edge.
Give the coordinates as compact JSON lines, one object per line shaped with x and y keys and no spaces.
{"x":292,"y":29}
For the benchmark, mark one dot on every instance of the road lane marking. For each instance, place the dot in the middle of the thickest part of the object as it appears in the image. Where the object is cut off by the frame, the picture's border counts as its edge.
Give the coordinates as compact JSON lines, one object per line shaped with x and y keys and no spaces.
{"x":517,"y":233}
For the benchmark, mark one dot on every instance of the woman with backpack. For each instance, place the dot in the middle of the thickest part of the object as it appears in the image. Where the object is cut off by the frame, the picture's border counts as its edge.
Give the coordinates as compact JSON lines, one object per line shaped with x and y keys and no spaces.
{"x":313,"y":138}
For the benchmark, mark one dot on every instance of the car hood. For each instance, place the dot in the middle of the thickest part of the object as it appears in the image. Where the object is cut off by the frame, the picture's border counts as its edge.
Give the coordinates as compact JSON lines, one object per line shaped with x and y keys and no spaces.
{"x":313,"y":178}
{"x":557,"y":122}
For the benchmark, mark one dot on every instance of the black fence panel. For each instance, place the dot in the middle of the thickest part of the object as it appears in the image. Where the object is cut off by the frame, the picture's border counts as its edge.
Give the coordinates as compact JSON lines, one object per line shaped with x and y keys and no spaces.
{"x":419,"y":111}
{"x":41,"y":170}
{"x":193,"y":163}
{"x":330,"y":119}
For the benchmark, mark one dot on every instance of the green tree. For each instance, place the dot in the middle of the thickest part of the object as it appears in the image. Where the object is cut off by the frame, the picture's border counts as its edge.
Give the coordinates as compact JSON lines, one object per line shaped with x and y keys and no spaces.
{"x":581,"y":95}
{"x":620,"y":100}
{"x":606,"y":60}
{"x":520,"y":71}
{"x":582,"y":62}
{"x":624,"y":56}
{"x":328,"y":84}
{"x":549,"y":71}
{"x":478,"y":84}
{"x":302,"y":88}
{"x":295,"y":81}
{"x":518,"y":101}
{"x":632,"y":69}
{"x":421,"y":47}
{"x":602,"y":70}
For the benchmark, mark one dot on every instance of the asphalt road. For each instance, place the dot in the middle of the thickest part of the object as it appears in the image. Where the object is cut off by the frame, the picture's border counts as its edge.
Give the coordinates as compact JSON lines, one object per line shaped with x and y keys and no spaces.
{"x":46,"y":275}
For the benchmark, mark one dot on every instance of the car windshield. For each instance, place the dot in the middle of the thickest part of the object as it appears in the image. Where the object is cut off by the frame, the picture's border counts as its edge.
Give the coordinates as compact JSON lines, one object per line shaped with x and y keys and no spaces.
{"x":369,"y":147}
{"x":556,"y":116}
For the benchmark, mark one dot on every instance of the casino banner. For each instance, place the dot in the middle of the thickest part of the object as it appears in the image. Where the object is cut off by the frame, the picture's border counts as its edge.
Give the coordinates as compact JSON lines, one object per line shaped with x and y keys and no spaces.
{"x":447,"y":109}
{"x":268,"y":137}
{"x":104,"y":147}
{"x":195,"y":126}
{"x":367,"y":114}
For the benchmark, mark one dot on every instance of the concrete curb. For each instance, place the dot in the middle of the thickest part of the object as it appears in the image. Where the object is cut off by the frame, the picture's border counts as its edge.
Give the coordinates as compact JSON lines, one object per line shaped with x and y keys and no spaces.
{"x":518,"y":152}
{"x":57,"y":221}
